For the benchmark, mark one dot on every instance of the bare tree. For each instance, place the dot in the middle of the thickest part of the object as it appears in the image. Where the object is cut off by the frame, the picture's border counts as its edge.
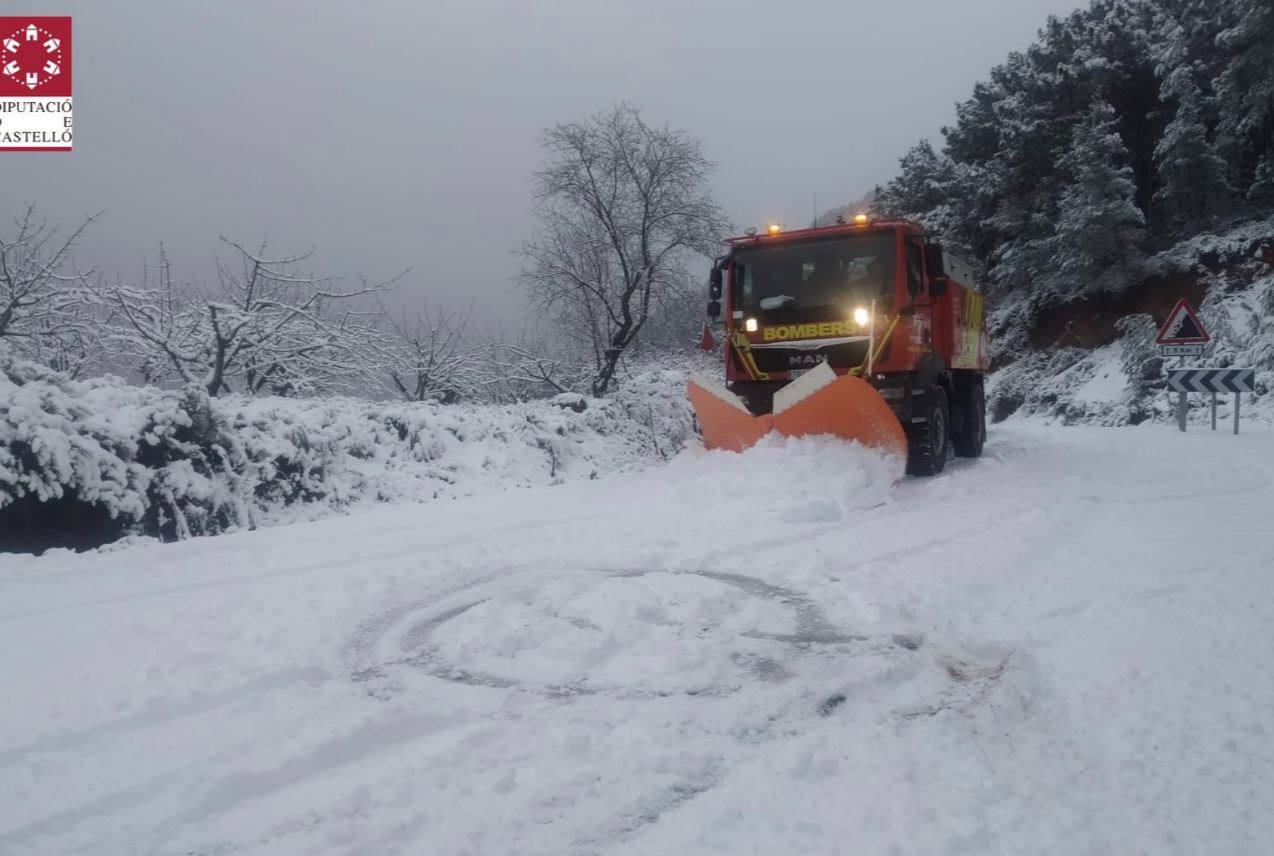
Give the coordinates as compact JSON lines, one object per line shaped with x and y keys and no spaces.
{"x":622,"y":208}
{"x":267,"y":326}
{"x":156,"y":324}
{"x":47,"y":312}
{"x":427,"y":353}
{"x":525,"y":366}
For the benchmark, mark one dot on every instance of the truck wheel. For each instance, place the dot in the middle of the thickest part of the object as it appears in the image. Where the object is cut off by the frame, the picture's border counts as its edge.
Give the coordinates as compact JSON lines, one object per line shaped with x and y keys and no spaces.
{"x":968,"y":441}
{"x":927,"y":441}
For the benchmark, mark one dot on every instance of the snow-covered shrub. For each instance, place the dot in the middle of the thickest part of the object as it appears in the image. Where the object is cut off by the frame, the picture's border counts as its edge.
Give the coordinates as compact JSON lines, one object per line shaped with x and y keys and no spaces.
{"x":55,"y":450}
{"x":337,"y":451}
{"x":1034,"y":383}
{"x":128,"y":458}
{"x":83,"y":462}
{"x":1138,"y":355}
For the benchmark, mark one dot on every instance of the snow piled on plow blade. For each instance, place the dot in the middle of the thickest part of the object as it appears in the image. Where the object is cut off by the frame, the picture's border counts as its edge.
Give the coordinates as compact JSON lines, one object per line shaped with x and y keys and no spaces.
{"x":819,"y":402}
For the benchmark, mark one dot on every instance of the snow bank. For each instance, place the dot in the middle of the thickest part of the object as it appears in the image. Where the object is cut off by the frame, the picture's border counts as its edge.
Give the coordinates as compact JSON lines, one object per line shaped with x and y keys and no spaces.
{"x":84,"y":462}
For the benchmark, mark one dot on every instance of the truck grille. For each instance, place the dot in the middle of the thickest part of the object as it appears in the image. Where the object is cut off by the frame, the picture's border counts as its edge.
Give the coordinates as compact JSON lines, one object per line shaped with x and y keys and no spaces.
{"x":779,"y":359}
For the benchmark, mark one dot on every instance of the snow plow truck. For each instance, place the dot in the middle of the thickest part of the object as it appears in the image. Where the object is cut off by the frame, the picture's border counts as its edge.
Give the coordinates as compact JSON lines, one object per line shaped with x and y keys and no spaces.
{"x":863,"y":330}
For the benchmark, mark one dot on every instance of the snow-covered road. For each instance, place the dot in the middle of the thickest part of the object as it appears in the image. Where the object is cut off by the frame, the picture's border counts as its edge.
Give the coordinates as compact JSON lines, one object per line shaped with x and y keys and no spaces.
{"x":1065,"y":647}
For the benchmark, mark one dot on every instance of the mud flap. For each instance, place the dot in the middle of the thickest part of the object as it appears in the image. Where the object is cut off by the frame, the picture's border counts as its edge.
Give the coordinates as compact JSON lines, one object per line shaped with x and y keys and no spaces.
{"x":818,"y":402}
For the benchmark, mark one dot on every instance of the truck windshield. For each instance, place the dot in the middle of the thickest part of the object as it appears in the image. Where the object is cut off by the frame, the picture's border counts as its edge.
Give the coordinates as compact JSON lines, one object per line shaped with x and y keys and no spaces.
{"x":814,"y":280}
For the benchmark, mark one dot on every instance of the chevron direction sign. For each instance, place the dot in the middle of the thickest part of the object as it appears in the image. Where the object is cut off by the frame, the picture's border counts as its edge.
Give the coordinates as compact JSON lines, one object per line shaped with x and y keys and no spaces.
{"x":1211,"y":380}
{"x":1236,"y":381}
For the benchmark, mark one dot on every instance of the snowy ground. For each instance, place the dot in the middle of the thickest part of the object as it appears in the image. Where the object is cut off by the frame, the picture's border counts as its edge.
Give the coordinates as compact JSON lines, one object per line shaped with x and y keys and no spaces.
{"x":1062,"y":648}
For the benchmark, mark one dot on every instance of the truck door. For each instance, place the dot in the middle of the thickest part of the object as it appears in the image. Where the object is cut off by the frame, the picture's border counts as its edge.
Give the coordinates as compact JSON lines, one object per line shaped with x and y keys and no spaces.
{"x":920,"y":341}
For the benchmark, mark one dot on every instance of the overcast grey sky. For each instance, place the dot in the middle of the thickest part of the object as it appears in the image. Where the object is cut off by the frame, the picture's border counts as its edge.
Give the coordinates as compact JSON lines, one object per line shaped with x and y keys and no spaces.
{"x":403,"y":134}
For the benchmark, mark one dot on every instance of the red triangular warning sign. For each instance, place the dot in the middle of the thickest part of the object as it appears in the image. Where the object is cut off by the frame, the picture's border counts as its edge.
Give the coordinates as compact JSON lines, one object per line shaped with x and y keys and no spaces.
{"x":1183,"y":327}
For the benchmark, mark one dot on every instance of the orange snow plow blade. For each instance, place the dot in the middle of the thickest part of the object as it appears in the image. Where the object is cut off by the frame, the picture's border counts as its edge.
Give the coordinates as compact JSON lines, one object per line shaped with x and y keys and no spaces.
{"x":724,"y":421}
{"x":819,"y":402}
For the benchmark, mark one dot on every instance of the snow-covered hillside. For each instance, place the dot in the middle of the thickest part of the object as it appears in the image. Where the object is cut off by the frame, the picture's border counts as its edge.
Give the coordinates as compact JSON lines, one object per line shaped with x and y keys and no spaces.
{"x":1111,"y":373}
{"x":1060,"y":648}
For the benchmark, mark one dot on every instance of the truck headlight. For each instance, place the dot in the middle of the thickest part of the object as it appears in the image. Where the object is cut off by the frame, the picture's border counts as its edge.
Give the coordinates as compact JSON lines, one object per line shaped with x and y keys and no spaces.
{"x":750,"y":325}
{"x":861,"y":316}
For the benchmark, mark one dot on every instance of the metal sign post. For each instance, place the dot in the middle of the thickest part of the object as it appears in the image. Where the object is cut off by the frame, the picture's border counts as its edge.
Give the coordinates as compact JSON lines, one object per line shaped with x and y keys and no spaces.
{"x":1181,"y":400}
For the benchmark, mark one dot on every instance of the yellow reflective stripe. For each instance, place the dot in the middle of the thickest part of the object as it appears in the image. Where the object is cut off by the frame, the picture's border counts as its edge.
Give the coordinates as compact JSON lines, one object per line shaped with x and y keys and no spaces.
{"x":880,"y":348}
{"x":744,"y":348}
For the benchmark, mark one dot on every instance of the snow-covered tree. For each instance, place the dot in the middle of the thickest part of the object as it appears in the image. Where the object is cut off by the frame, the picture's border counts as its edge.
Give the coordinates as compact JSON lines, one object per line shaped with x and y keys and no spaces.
{"x":528,"y":364}
{"x":623,"y":209}
{"x":1004,"y":199}
{"x":427,"y":353}
{"x":919,"y":187}
{"x":1099,"y":229}
{"x":267,"y":326}
{"x":1261,"y":192}
{"x":1194,"y":187}
{"x":1245,"y":88}
{"x":48,"y":311}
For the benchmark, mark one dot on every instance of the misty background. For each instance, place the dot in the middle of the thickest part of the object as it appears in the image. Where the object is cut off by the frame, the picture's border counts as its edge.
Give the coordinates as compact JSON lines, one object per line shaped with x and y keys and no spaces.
{"x":394,"y":135}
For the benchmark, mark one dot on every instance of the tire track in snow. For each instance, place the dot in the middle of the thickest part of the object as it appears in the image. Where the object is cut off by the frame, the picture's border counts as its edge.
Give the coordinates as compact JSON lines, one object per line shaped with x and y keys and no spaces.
{"x":152,"y":715}
{"x":373,"y":557}
{"x":322,"y":758}
{"x":403,"y":629}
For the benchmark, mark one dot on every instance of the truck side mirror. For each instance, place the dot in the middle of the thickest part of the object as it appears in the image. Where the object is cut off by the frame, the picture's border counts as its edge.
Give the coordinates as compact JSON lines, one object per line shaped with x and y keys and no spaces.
{"x":936,"y":265}
{"x":714,"y":309}
{"x":714,"y":284}
{"x":934,"y":261}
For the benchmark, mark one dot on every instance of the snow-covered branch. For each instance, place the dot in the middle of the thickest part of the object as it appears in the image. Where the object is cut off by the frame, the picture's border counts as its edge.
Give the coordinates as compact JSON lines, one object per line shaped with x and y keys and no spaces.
{"x":48,"y":310}
{"x":266,"y":326}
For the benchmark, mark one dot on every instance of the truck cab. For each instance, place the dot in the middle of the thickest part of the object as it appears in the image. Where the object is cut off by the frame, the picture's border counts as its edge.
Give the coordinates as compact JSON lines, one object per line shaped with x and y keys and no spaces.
{"x":874,"y":298}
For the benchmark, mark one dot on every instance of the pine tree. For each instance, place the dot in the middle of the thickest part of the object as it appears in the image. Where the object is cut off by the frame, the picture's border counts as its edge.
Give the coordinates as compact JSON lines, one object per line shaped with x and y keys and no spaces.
{"x":975,"y":136}
{"x":1194,"y":187}
{"x":1245,"y":88}
{"x":920,"y":184}
{"x":1261,"y":193}
{"x":1099,"y":231}
{"x":1191,"y":84}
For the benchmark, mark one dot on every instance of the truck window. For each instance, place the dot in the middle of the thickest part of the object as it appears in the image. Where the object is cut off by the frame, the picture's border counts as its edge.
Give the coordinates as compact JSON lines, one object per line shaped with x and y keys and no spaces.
{"x":817,"y":279}
{"x":740,"y":285}
{"x":915,"y":270}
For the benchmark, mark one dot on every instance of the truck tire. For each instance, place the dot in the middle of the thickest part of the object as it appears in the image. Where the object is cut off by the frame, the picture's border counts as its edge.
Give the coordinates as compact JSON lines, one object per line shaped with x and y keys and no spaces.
{"x":927,"y":441}
{"x":971,"y":437}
